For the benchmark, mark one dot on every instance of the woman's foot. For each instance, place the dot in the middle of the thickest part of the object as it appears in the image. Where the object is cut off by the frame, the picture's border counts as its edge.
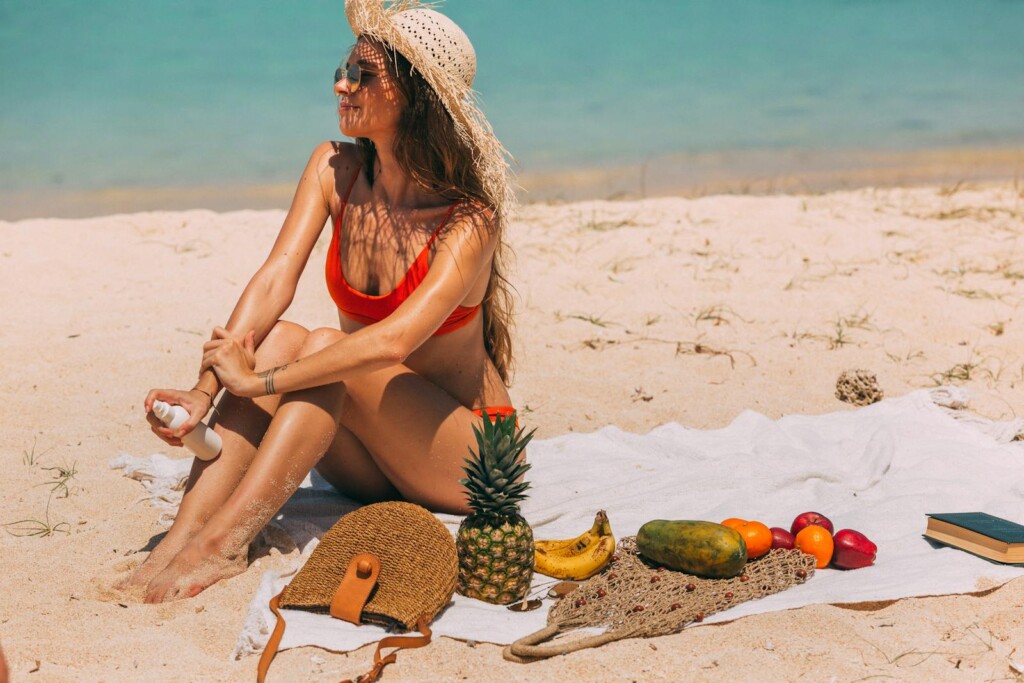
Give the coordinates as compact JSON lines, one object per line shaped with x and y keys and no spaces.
{"x":145,"y":572}
{"x":166,"y":550}
{"x":199,"y":565}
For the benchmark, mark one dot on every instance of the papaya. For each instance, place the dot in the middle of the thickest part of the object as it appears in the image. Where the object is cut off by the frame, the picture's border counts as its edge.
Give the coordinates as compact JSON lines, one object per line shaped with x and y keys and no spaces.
{"x":695,"y":547}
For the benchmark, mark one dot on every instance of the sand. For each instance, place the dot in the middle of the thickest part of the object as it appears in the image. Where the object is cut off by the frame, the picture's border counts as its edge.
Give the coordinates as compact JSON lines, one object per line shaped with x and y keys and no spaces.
{"x":633,"y":313}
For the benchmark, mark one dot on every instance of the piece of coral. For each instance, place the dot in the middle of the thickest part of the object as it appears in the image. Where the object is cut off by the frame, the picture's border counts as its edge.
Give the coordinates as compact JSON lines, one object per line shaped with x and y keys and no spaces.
{"x":859,"y":387}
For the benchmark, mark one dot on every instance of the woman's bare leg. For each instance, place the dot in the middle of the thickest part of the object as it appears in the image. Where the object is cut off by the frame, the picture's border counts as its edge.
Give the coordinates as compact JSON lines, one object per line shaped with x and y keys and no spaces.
{"x":416,"y":433}
{"x":302,"y":429}
{"x":399,"y":433}
{"x":241,"y":423}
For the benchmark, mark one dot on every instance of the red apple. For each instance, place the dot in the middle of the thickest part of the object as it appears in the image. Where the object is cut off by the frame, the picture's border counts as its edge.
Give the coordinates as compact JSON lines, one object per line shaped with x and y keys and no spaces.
{"x":853,"y":550}
{"x":782,"y":538}
{"x":809,"y":518}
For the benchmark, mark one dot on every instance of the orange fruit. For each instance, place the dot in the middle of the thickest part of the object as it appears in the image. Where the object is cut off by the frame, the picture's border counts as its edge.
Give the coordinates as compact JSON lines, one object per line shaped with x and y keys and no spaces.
{"x":758,"y":538}
{"x":816,"y":540}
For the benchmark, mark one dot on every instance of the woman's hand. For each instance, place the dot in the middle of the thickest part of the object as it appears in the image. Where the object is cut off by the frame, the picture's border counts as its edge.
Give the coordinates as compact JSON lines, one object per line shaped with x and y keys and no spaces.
{"x":197,"y":403}
{"x":233,"y":361}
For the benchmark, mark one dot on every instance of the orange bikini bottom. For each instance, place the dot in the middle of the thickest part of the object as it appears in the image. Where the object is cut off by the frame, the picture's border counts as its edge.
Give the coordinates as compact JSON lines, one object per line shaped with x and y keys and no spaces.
{"x":494,"y":411}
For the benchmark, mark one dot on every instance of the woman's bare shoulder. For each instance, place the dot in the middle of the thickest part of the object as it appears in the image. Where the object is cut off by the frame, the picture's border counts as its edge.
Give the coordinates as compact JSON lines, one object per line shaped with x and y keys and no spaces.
{"x":474,"y":215}
{"x":333,"y":164}
{"x":332,"y":154}
{"x":471,"y":223}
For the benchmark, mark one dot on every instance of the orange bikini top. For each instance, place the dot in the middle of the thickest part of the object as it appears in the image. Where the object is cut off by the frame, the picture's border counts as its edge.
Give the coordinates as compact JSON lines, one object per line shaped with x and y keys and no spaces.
{"x":368,"y":308}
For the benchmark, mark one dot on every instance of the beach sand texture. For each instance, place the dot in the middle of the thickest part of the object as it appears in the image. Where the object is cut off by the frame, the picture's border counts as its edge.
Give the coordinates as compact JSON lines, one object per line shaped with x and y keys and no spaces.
{"x":633,"y":313}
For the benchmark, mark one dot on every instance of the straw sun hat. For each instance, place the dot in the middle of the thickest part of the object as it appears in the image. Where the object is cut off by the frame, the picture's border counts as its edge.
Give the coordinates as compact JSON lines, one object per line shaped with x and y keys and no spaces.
{"x":441,"y":52}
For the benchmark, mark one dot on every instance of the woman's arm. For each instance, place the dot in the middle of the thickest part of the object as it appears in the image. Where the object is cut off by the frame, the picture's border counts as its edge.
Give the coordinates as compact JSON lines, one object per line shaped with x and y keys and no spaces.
{"x":462,"y":255}
{"x":271,"y":290}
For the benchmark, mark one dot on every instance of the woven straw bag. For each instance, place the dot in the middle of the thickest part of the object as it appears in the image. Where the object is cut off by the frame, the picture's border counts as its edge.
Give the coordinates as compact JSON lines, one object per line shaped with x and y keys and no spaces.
{"x":392,"y":564}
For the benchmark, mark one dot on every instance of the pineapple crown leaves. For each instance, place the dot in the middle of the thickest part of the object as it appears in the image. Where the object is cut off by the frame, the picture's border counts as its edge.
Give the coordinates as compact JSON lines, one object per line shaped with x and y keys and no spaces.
{"x":493,"y":471}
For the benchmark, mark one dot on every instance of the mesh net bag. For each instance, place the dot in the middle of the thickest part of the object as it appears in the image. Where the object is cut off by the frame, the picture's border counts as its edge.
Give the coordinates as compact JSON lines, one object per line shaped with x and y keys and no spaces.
{"x":634,"y":598}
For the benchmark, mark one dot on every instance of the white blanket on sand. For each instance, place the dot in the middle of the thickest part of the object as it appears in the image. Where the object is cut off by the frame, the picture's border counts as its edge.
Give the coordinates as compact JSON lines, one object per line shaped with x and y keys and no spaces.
{"x":878,"y":469}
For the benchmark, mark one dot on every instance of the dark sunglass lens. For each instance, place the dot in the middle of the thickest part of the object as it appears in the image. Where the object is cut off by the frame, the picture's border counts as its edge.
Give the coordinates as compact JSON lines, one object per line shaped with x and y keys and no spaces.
{"x":353,"y":73}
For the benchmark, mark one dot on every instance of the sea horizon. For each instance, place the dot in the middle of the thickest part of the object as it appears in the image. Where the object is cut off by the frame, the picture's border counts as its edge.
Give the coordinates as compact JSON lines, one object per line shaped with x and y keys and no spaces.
{"x":747,"y":172}
{"x":148,"y":106}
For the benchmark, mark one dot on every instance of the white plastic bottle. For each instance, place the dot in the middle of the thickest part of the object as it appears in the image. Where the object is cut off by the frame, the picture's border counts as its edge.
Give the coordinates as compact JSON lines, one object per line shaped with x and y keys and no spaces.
{"x":203,"y":441}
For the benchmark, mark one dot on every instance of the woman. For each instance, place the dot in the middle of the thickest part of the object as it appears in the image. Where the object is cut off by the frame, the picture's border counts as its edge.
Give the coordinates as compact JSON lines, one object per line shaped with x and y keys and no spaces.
{"x":384,"y":408}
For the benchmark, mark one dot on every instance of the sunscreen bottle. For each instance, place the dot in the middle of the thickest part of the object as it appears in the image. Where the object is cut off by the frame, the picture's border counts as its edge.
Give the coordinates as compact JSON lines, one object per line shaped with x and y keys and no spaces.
{"x":203,"y":441}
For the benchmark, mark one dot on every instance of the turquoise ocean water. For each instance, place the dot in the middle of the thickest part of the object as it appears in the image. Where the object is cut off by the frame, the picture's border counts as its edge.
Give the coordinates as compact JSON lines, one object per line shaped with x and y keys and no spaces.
{"x":157,"y":94}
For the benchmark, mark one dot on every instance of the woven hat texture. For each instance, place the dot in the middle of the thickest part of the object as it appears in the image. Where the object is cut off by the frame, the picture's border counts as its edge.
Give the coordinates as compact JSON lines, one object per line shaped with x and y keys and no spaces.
{"x":441,"y":52}
{"x":418,"y":564}
{"x":440,"y":40}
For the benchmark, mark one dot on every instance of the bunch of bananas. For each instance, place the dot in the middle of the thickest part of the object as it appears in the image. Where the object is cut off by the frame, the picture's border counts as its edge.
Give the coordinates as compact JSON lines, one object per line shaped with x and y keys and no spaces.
{"x":577,"y":558}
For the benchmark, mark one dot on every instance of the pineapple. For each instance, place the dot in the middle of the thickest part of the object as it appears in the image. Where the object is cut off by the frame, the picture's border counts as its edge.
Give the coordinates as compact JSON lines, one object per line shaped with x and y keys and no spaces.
{"x":495,"y":544}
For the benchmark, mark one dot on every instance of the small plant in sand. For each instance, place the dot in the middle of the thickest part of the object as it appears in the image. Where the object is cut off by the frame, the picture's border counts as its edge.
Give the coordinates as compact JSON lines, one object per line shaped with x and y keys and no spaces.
{"x":60,"y":476}
{"x":961,"y":372}
{"x":907,"y":356}
{"x":975,"y":368}
{"x":857,"y":321}
{"x":624,"y":264}
{"x":843,"y":323}
{"x":977,"y":294}
{"x":651,"y":320}
{"x":589,"y":318}
{"x":640,"y":395}
{"x":38,"y":527}
{"x":593,"y":320}
{"x":495,"y":543}
{"x":595,"y":224}
{"x":840,"y":338}
{"x":30,"y":457}
{"x":716,"y":315}
{"x":599,"y":344}
{"x":682,"y":348}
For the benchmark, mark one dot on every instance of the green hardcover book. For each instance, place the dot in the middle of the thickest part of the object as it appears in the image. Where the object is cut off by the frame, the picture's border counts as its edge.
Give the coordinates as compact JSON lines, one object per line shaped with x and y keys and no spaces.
{"x":991,"y":537}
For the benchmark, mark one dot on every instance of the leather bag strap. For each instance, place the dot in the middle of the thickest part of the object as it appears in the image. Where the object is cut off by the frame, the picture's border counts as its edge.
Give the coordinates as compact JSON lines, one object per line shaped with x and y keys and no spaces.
{"x":399,"y":643}
{"x":354,"y":590}
{"x":270,"y":651}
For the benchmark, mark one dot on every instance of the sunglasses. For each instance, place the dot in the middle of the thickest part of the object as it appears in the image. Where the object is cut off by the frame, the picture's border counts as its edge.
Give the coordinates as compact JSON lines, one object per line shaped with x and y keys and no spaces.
{"x":353,"y":73}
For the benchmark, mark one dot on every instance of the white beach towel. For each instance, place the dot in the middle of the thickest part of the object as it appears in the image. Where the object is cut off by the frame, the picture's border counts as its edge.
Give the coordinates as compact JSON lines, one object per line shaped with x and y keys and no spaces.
{"x":878,"y":469}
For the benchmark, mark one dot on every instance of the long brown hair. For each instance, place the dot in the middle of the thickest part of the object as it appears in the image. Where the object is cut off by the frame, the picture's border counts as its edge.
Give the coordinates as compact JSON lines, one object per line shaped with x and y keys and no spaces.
{"x":429,"y":151}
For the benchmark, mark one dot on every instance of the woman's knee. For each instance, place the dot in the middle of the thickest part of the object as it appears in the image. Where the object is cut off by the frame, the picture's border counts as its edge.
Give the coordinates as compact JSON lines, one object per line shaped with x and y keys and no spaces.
{"x":282,"y":344}
{"x":320,"y":339}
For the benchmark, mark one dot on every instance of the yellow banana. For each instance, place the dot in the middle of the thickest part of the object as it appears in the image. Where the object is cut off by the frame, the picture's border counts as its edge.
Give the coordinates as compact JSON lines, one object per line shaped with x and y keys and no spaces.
{"x":580,"y":566}
{"x":577,"y":558}
{"x":601,"y":527}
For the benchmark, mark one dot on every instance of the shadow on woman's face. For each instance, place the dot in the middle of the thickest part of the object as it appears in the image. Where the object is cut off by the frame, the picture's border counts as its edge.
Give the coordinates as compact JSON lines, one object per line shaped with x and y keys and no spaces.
{"x":373,"y":109}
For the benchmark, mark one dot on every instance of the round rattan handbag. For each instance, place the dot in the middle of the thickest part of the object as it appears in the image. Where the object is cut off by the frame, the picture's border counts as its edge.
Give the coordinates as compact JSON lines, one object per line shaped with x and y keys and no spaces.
{"x":392,"y":564}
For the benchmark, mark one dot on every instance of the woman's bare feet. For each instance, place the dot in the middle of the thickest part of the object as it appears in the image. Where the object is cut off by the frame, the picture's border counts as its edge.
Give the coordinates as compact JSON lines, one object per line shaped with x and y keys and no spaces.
{"x":145,"y":572}
{"x":169,"y":546}
{"x":199,"y":565}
